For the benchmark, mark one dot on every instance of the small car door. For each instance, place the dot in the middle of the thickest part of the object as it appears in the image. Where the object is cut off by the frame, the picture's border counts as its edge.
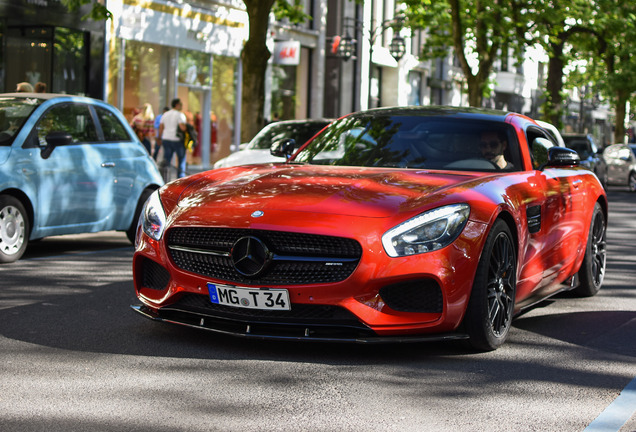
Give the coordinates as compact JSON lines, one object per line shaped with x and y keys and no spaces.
{"x":129,"y":161}
{"x":74,"y":188}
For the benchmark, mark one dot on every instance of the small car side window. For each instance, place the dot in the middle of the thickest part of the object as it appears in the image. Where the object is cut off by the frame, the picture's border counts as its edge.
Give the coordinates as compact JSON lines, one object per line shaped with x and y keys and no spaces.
{"x":111,"y":126}
{"x":74,"y":119}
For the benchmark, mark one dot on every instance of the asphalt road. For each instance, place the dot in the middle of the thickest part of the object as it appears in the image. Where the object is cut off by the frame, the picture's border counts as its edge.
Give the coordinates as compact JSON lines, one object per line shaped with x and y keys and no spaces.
{"x":74,"y":357}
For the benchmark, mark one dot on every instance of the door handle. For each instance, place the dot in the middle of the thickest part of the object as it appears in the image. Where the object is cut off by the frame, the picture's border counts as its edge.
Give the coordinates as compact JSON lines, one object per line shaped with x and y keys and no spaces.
{"x":108,"y":164}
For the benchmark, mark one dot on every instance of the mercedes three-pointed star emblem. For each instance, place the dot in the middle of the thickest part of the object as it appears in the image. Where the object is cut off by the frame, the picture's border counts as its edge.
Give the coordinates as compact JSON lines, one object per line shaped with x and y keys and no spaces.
{"x":250,"y":256}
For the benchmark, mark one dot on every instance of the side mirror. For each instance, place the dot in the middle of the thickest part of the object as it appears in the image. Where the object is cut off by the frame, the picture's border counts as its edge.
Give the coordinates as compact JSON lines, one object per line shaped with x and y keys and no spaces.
{"x":283,"y":148}
{"x":560,"y":157}
{"x":53,"y":140}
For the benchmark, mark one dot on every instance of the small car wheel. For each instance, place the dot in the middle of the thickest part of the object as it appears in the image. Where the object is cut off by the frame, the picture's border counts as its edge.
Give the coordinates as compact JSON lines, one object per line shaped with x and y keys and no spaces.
{"x":490,"y":309}
{"x":632,"y":181}
{"x":14,"y":229}
{"x":593,"y":268}
{"x":131,"y":232}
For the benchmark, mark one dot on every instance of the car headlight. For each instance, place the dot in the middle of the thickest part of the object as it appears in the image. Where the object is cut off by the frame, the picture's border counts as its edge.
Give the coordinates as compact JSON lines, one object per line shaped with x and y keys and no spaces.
{"x":426,"y":232}
{"x":153,"y":218}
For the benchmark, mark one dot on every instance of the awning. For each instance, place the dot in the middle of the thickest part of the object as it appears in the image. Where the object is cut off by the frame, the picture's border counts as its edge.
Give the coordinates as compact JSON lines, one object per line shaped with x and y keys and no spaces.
{"x":382,"y":57}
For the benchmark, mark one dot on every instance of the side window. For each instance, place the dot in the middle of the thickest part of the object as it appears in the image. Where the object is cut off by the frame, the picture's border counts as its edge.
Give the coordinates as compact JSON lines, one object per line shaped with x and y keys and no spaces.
{"x":74,"y":119}
{"x":539,"y":147}
{"x":111,"y":126}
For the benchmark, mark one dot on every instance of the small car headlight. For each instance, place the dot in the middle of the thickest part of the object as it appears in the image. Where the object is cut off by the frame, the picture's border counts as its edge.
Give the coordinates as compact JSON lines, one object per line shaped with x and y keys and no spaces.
{"x":153,"y":218}
{"x":426,"y":232}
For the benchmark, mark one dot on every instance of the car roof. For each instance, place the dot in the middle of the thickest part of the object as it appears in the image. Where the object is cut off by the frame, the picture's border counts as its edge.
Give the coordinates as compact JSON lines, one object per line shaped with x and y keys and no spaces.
{"x":309,"y":120}
{"x":44,"y":96}
{"x":433,"y":110}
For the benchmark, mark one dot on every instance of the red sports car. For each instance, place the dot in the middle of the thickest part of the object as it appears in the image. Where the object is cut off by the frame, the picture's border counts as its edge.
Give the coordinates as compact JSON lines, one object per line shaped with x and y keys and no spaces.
{"x":398,"y":224}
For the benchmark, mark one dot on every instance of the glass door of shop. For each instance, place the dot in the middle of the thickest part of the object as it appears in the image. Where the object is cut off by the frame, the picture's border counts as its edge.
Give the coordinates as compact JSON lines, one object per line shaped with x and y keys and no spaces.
{"x":196,"y":105}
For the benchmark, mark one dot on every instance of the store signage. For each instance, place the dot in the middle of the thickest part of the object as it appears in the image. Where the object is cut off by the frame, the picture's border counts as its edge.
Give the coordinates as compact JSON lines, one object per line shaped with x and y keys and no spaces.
{"x":287,"y":53}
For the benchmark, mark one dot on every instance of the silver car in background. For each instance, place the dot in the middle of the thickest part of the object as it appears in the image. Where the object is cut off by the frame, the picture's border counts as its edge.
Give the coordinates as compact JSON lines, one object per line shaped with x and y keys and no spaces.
{"x":621,"y":165}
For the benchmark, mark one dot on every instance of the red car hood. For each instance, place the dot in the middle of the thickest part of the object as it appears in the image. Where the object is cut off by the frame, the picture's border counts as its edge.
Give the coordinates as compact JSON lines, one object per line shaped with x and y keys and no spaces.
{"x":367,"y":192}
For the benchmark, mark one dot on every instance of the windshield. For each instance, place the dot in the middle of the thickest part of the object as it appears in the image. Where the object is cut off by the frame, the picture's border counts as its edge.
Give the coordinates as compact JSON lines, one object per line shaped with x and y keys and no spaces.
{"x":299,"y":131}
{"x":413,"y":141}
{"x":13,"y":114}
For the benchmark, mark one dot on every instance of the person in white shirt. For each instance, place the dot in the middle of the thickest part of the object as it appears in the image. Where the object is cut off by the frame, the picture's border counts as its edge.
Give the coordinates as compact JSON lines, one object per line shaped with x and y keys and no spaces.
{"x":171,"y":121}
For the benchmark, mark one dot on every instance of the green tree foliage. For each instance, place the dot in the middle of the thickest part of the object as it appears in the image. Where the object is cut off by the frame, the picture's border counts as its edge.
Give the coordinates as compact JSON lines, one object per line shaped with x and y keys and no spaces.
{"x":562,"y":28}
{"x":616,"y":24}
{"x":601,"y":37}
{"x":98,"y":10}
{"x":255,"y":56}
{"x":473,"y":29}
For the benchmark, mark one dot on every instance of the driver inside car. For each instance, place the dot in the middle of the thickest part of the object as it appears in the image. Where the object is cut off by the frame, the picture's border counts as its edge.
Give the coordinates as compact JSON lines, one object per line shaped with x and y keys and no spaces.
{"x":492,"y":147}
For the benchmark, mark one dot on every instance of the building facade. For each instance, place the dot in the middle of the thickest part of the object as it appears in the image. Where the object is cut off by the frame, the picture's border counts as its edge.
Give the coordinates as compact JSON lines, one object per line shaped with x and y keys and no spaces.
{"x":348,"y":56}
{"x":41,"y":41}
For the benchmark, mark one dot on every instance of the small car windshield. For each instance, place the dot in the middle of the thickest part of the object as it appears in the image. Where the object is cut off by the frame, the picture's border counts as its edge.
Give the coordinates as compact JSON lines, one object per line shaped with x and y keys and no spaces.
{"x":13,"y":114}
{"x":413,"y":141}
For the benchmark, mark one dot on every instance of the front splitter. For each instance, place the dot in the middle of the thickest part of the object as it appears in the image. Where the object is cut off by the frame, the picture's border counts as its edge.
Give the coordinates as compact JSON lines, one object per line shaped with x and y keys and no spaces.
{"x":307,"y":333}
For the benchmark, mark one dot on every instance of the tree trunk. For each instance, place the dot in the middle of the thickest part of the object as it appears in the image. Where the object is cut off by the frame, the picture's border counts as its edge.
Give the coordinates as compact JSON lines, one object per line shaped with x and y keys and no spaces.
{"x":621,"y":110}
{"x":255,"y":56}
{"x":553,"y":108}
{"x":475,"y":92}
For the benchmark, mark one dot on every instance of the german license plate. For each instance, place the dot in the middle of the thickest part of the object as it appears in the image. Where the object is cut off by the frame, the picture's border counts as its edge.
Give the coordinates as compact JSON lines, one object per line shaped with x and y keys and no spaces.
{"x":250,"y":298}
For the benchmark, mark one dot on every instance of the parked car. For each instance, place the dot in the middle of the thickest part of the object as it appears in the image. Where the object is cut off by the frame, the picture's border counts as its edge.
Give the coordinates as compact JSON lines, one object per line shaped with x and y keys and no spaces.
{"x":591,"y":155}
{"x":257,"y":150}
{"x":621,"y":165}
{"x":394,"y":224}
{"x":68,"y":165}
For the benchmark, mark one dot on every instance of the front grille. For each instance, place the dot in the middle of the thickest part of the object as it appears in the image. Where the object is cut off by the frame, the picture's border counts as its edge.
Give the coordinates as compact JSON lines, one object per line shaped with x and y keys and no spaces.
{"x":153,"y":275}
{"x":423,"y":296}
{"x":299,"y":258}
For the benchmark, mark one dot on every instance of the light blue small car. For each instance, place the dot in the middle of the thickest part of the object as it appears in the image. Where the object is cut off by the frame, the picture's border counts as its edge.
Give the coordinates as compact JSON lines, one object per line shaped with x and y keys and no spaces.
{"x":68,"y":165}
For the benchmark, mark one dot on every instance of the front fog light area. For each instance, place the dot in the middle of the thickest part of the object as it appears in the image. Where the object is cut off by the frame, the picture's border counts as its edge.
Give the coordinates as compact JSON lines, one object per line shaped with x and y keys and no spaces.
{"x":153,"y":218}
{"x":426,"y":232}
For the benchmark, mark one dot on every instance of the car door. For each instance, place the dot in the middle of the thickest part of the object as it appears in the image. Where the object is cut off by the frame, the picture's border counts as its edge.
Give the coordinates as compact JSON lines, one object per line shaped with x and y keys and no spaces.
{"x":553,"y":212}
{"x":128,"y":161}
{"x":74,"y":188}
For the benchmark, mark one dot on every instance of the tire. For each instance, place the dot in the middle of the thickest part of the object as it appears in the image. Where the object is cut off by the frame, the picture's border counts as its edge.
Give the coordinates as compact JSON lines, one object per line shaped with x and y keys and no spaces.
{"x":14,"y":229}
{"x":592,"y":270}
{"x":631,"y":182}
{"x":491,"y":305}
{"x":131,"y":232}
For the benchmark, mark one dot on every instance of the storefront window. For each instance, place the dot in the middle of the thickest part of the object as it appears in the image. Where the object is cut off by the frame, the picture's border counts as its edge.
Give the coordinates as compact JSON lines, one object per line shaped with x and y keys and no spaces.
{"x":223,"y":105}
{"x":33,"y":47}
{"x":143,"y":78}
{"x":194,"y":68}
{"x":290,"y":88}
{"x":283,"y":92}
{"x":69,"y":67}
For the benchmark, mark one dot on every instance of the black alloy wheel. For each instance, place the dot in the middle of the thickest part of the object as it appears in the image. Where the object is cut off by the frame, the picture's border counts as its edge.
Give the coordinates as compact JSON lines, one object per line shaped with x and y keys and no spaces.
{"x":592,"y":269}
{"x":490,"y":309}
